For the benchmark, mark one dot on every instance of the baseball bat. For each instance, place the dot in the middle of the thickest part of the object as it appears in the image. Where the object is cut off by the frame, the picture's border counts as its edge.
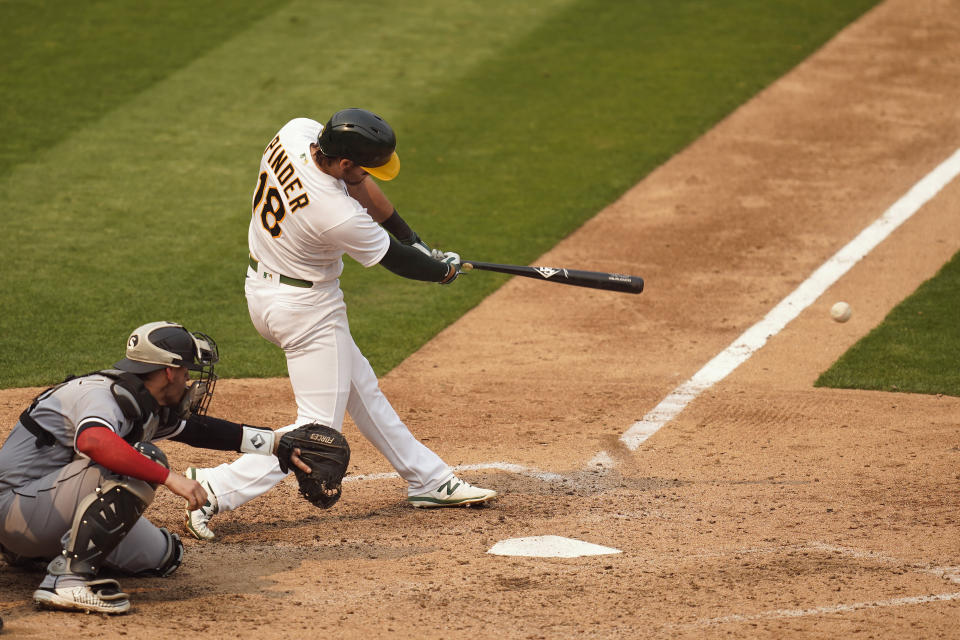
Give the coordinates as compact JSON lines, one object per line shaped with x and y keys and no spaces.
{"x":574,"y":277}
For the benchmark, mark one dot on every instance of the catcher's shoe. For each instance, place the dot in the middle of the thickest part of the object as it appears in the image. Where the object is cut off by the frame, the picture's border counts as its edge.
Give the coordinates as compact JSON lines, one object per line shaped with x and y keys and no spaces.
{"x":197,"y":521}
{"x":96,"y":596}
{"x":452,"y":493}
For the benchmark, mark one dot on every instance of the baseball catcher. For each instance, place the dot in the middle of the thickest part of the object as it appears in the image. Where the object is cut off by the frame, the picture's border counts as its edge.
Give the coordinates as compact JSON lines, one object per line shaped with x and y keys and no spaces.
{"x":326,"y":452}
{"x":81,"y":466}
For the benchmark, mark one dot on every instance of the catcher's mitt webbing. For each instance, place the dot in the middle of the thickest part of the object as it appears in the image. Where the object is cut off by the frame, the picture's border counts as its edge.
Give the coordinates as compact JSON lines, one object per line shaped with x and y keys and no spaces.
{"x":326,"y":452}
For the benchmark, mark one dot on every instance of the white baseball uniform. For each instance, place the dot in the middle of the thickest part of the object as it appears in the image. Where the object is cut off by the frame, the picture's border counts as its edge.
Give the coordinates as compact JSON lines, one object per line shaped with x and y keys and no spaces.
{"x":303,"y":221}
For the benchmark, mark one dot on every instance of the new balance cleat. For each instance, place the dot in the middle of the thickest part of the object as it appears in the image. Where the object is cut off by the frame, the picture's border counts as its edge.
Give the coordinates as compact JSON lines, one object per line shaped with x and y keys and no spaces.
{"x":452,"y":493}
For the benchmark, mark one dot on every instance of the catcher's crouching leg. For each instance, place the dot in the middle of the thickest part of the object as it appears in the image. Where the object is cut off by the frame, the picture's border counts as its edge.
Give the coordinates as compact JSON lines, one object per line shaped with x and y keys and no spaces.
{"x":172,"y":556}
{"x":101,"y":521}
{"x":171,"y":559}
{"x":22,"y":562}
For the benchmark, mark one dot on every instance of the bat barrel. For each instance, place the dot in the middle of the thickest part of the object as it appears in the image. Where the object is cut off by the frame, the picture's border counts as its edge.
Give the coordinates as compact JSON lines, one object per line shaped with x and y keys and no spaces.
{"x":591,"y":279}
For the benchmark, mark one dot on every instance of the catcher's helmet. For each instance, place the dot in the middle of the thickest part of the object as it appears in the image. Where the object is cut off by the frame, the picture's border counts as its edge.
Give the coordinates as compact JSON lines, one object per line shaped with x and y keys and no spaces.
{"x":363,"y":137}
{"x":157,"y":345}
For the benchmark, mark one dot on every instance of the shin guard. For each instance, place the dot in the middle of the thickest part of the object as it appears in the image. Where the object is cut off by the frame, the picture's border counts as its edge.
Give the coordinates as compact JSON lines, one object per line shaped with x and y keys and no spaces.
{"x":101,"y":521}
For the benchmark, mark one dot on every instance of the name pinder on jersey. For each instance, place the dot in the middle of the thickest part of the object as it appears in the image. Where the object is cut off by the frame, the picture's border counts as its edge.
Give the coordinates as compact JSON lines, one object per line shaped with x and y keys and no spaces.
{"x":283,"y":170}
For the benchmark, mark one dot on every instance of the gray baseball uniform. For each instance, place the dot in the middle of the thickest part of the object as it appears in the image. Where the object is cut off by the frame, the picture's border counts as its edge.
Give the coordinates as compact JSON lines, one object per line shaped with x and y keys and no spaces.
{"x":42,"y":486}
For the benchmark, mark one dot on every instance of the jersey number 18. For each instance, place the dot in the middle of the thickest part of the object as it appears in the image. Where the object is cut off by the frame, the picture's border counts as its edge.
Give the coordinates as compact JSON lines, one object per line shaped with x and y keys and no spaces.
{"x":272,"y":210}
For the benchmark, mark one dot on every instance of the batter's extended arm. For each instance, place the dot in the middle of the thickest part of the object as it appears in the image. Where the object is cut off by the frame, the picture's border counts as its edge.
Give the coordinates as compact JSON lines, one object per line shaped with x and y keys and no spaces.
{"x":368,"y":194}
{"x":408,"y":262}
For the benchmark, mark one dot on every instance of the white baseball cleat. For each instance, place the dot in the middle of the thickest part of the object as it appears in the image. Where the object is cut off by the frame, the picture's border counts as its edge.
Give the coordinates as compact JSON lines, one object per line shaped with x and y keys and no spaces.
{"x":453,"y":493}
{"x":96,"y":596}
{"x":197,"y":521}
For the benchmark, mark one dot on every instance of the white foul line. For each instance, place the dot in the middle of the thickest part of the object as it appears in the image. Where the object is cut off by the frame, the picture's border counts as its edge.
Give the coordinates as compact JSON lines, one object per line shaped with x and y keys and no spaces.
{"x":790,"y":307}
{"x":546,"y":476}
{"x":837,"y":608}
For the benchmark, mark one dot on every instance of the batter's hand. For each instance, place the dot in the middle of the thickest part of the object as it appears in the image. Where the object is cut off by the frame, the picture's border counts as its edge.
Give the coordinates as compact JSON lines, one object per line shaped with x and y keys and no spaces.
{"x":449,"y":257}
{"x":452,"y":260}
{"x":190,"y":490}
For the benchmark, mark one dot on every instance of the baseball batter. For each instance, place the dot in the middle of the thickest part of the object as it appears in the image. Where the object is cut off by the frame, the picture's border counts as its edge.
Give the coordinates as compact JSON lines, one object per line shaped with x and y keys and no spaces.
{"x":313,"y":203}
{"x":80,"y":467}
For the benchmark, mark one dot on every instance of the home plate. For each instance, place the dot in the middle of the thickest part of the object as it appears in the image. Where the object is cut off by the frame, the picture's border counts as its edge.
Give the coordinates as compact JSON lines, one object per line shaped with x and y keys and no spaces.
{"x":549,"y":547}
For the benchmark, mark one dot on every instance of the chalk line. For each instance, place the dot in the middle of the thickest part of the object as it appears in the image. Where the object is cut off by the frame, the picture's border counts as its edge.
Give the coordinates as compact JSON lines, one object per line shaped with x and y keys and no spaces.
{"x":836,"y":608}
{"x":790,"y":307}
{"x":499,"y":466}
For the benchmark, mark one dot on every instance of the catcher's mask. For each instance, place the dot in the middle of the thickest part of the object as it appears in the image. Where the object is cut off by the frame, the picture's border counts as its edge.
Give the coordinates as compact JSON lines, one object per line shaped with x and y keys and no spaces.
{"x":363,"y":137}
{"x":157,"y":345}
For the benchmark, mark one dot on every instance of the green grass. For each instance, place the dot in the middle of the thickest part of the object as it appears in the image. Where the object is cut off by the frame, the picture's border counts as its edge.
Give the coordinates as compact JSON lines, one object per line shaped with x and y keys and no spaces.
{"x":130,"y":152}
{"x":916,"y":348}
{"x":65,"y":64}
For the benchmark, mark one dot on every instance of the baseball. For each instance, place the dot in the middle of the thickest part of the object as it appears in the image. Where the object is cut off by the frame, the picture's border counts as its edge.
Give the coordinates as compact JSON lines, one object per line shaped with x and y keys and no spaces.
{"x":840,"y":312}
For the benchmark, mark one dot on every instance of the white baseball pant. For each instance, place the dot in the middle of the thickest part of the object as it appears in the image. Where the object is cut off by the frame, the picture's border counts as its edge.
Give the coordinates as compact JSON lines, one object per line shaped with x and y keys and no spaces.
{"x":329,"y":376}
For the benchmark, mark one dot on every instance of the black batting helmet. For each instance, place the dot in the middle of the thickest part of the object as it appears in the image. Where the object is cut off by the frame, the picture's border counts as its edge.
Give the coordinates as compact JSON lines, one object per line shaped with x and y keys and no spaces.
{"x":363,"y":137}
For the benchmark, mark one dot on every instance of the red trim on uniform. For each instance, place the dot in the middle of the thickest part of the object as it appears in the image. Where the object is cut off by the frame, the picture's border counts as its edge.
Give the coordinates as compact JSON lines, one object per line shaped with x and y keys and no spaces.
{"x":109,"y":450}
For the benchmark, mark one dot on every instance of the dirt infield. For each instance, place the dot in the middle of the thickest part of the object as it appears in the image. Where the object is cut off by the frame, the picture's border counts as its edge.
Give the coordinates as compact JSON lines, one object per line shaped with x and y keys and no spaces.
{"x":766,"y":508}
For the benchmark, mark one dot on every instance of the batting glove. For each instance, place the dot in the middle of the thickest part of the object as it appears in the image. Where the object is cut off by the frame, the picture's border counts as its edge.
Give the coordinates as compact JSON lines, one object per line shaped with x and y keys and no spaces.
{"x":452,"y":260}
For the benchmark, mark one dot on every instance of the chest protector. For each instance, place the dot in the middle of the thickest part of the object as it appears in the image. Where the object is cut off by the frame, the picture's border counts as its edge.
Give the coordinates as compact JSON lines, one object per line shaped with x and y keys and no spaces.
{"x":135,"y":402}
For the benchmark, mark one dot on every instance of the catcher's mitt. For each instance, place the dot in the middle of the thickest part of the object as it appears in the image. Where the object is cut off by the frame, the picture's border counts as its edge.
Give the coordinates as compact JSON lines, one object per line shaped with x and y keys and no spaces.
{"x":326,"y":452}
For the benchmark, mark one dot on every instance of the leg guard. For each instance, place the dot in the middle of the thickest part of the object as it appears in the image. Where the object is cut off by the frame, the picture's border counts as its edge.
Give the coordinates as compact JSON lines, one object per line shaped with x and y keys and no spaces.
{"x":100,"y":522}
{"x":172,"y":558}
